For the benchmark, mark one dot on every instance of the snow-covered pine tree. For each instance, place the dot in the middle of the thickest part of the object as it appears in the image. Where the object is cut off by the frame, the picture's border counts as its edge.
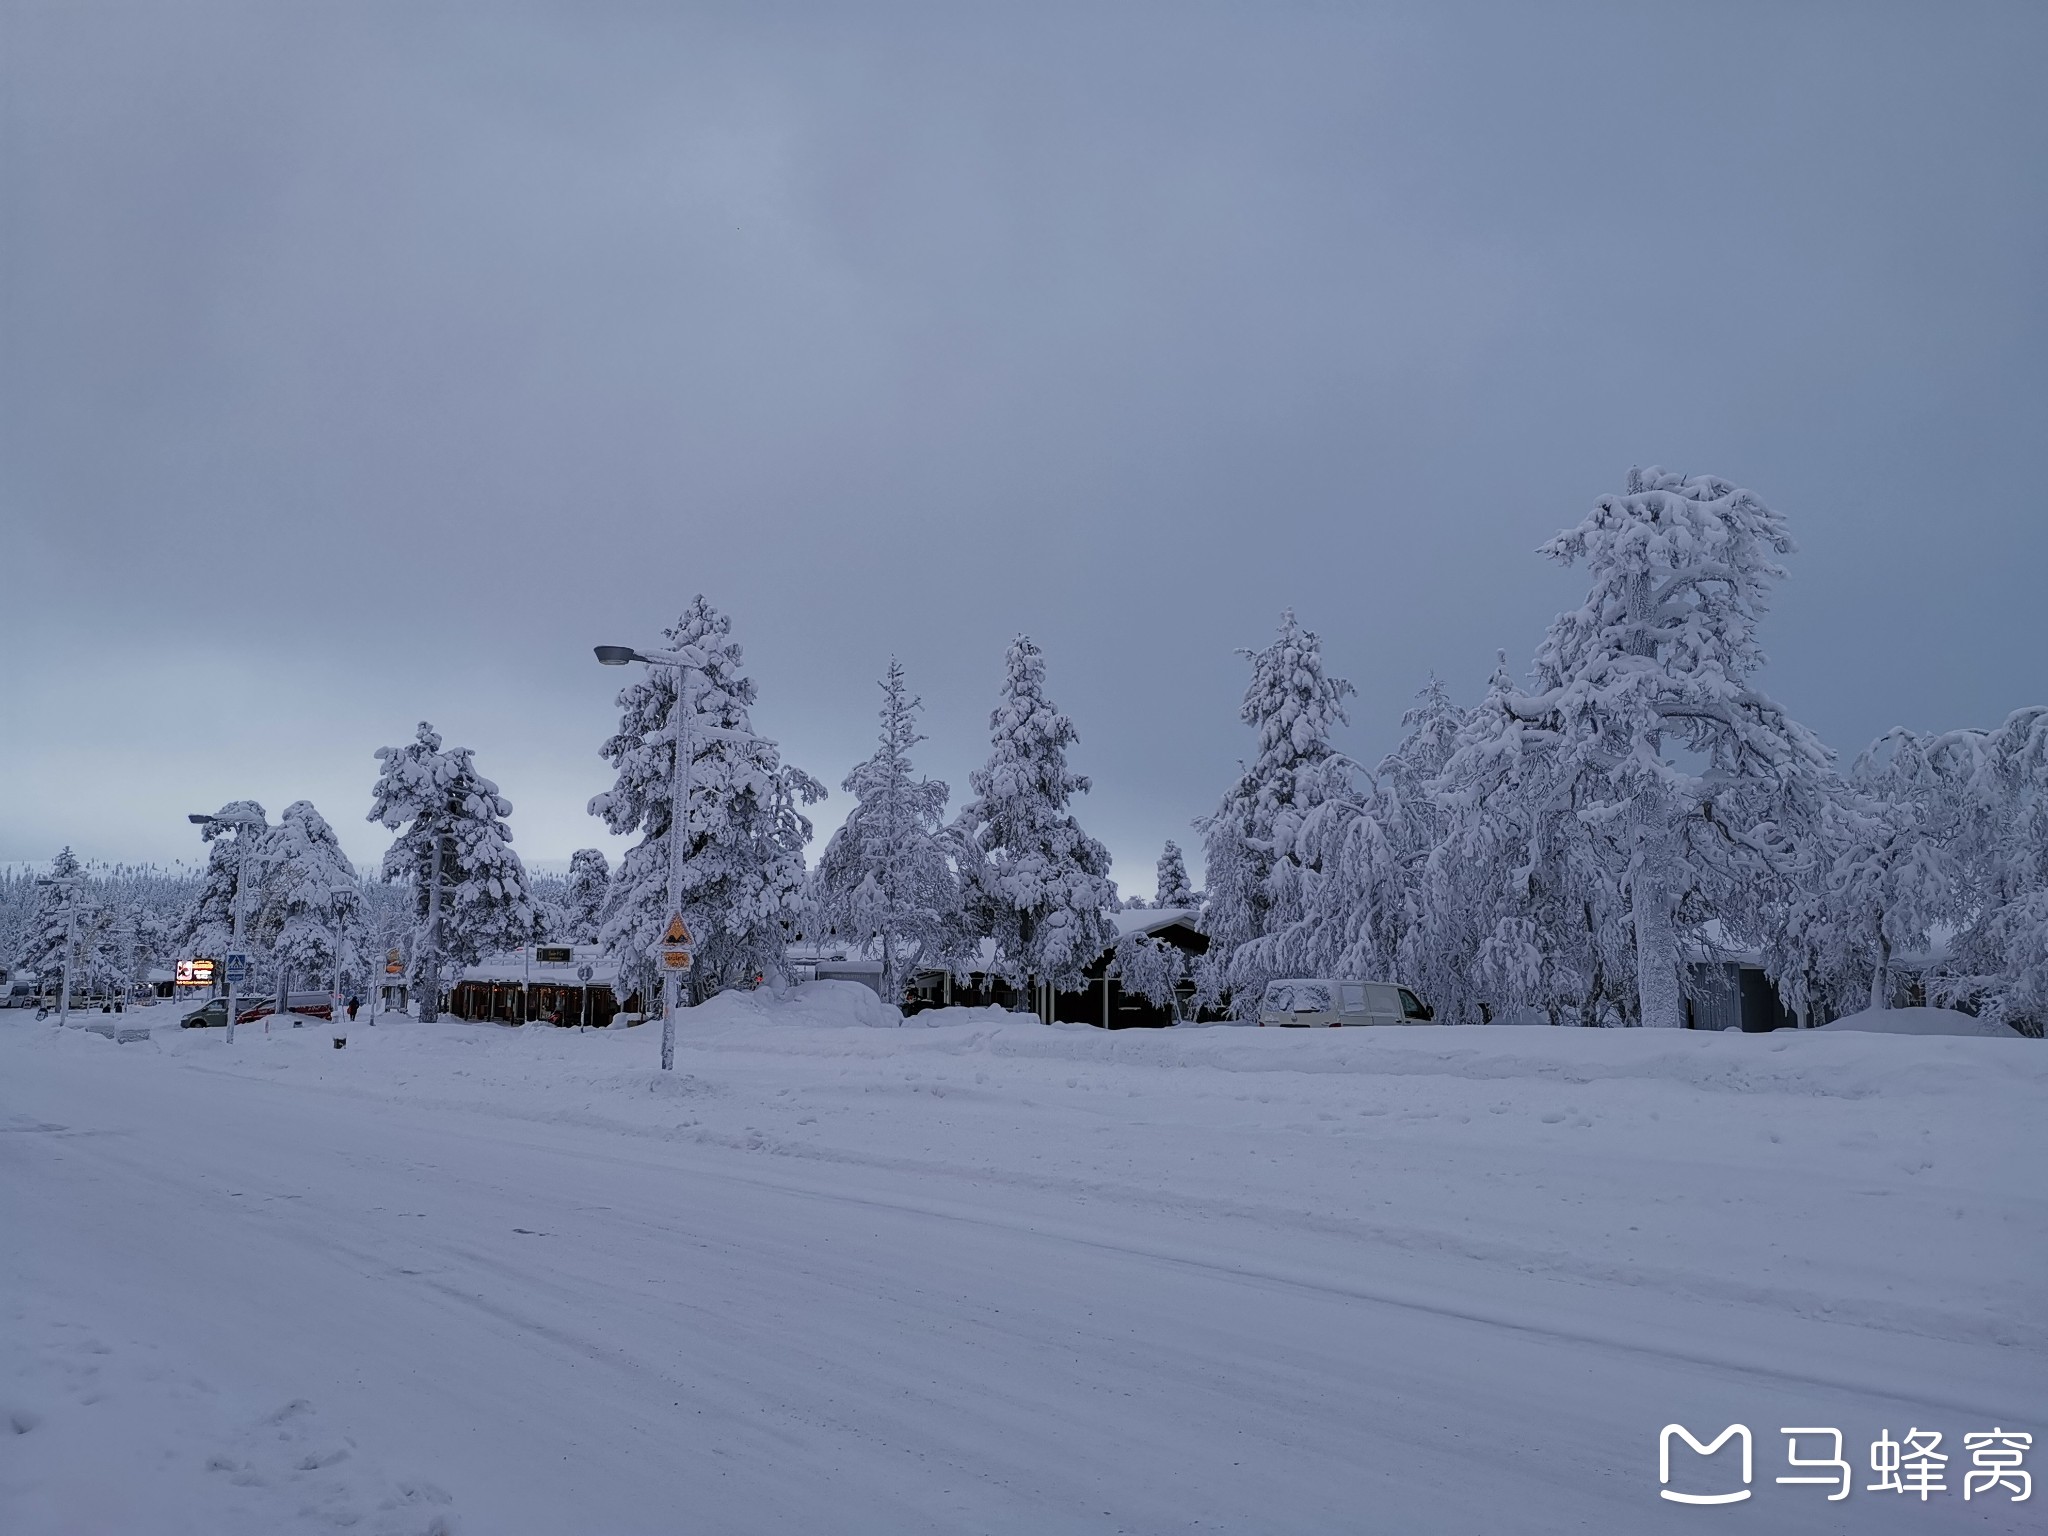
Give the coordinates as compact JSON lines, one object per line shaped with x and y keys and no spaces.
{"x":43,"y":945}
{"x":1706,"y":791}
{"x":589,"y":887}
{"x":884,"y":879}
{"x":1517,"y":905}
{"x":1031,"y":879}
{"x":1363,"y":843}
{"x":453,"y":844}
{"x":1885,"y":876}
{"x":1983,"y":795}
{"x":1154,"y":970}
{"x":1256,"y":886}
{"x":306,"y":901}
{"x":1173,"y":888}
{"x":743,"y":870}
{"x":207,"y":925}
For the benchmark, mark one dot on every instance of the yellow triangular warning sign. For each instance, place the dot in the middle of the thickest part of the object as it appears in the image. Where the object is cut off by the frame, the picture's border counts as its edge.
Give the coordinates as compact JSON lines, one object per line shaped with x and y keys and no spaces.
{"x":676,"y":933}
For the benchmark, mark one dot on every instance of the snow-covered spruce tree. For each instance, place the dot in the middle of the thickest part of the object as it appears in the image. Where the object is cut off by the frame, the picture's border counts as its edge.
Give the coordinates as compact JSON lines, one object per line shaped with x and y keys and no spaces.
{"x":1986,"y":794}
{"x":1173,"y":888}
{"x":1701,"y":787}
{"x":112,"y":947}
{"x":884,"y":880}
{"x":50,"y":925}
{"x":306,"y":901}
{"x":1256,"y":885}
{"x":1362,"y":845}
{"x":207,"y":925}
{"x":1031,"y":879}
{"x":743,"y":866}
{"x":589,"y":887}
{"x":1517,"y":903}
{"x":1886,"y":876}
{"x":471,"y":893}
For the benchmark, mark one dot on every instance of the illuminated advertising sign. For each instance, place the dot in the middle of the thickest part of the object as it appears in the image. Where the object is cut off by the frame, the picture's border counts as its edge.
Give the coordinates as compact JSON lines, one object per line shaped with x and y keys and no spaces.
{"x":195,"y":973}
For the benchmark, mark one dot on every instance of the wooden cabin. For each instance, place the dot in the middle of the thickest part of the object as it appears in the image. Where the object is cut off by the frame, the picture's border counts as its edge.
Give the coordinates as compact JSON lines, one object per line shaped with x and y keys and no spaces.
{"x":570,"y":985}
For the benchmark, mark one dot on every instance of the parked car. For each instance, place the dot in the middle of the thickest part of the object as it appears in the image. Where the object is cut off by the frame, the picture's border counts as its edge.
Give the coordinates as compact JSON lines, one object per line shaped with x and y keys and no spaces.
{"x":214,"y":1015}
{"x":313,"y":1005}
{"x":1319,"y":1003}
{"x":20,"y":993}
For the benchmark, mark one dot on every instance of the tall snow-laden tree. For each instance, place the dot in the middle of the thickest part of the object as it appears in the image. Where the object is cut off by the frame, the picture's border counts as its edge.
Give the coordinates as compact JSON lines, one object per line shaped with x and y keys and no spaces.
{"x":1360,"y":847}
{"x":884,"y":879}
{"x":1703,"y":788}
{"x":1033,"y":881}
{"x":306,"y":900}
{"x":453,"y":844}
{"x":45,"y":947}
{"x":1173,"y":888}
{"x":1884,"y":877}
{"x":1519,"y":906}
{"x":1979,"y":817}
{"x":1256,"y":885}
{"x":207,"y":926}
{"x":583,"y":903}
{"x":743,"y":866}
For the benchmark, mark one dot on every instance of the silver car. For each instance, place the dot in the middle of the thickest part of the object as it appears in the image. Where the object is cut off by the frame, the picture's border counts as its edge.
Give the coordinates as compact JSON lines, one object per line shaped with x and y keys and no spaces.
{"x":1320,"y":1003}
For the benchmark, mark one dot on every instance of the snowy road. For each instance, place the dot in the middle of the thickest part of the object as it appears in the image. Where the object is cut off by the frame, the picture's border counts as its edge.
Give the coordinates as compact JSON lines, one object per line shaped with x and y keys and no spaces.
{"x":254,"y":1301}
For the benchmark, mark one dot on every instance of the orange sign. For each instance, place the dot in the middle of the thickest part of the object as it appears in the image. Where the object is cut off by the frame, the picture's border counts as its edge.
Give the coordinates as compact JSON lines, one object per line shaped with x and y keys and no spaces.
{"x":675,"y":935}
{"x":676,"y":959}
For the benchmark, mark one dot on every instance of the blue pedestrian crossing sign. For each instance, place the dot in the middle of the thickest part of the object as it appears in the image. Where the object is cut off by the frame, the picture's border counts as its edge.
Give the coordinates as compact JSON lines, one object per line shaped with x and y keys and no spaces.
{"x":237,"y":967}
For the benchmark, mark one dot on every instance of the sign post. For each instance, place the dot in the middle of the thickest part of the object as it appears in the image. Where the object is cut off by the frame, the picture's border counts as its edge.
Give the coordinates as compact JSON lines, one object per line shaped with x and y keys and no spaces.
{"x":675,"y":959}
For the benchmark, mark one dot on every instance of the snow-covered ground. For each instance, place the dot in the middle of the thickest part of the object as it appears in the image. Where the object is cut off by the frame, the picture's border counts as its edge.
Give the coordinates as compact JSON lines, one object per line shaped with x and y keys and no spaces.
{"x":975,"y":1274}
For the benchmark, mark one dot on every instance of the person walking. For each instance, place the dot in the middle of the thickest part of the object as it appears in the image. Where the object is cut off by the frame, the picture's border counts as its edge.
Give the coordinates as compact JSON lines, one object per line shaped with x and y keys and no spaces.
{"x":353,"y":1004}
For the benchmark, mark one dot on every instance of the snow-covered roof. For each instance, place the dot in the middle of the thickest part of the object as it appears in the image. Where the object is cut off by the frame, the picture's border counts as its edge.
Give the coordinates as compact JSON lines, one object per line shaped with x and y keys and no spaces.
{"x":520,"y":965}
{"x":1132,"y":920}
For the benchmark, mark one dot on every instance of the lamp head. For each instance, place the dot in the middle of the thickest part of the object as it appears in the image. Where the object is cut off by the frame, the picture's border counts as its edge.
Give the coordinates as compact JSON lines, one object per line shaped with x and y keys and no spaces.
{"x":616,"y":655}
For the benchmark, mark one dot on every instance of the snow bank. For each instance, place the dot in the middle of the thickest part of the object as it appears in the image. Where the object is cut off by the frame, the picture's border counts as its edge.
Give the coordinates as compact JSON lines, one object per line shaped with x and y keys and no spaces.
{"x":1923,"y":1021}
{"x":817,"y":1004}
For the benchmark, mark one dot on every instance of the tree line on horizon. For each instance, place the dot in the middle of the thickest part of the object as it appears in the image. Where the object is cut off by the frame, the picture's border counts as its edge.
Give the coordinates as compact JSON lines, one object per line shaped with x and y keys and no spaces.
{"x":1566,"y":846}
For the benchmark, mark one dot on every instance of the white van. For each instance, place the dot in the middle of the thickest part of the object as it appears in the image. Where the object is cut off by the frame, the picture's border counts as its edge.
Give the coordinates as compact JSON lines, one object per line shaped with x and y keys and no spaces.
{"x":1316,"y":1003}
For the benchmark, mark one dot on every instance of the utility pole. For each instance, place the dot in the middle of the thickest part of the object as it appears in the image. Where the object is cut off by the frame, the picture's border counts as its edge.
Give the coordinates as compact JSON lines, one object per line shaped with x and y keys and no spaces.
{"x":430,"y":962}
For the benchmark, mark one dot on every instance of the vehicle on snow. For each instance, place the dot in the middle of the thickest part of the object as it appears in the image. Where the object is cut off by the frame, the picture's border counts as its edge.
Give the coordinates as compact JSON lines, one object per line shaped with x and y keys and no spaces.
{"x":1320,"y":1003}
{"x":214,"y":1015}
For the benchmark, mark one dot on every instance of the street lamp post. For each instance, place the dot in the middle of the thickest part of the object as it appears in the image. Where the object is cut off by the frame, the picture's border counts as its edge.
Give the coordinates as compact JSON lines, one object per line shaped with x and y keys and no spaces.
{"x":69,"y":884}
{"x":687,"y":727}
{"x":241,"y":821}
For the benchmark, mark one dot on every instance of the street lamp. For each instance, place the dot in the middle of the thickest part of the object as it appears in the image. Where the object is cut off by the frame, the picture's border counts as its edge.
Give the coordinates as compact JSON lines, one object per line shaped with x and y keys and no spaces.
{"x":680,"y":661}
{"x":241,"y":821}
{"x":69,"y":884}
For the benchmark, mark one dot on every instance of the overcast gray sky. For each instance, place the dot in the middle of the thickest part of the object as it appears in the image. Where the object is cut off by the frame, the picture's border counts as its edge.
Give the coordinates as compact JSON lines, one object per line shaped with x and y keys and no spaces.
{"x":367,"y":363}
